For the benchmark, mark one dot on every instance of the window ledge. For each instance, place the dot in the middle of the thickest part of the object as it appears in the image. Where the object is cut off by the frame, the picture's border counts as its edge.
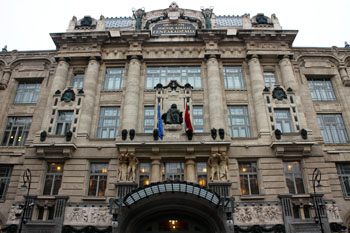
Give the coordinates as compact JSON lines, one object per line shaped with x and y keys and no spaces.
{"x":42,"y":197}
{"x":235,"y":89}
{"x":94,"y":198}
{"x":108,"y":91}
{"x":253,"y":197}
{"x":300,"y":195}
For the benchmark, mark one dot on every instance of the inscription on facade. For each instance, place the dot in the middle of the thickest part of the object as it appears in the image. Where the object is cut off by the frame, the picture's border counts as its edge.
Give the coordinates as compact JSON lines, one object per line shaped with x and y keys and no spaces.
{"x":166,"y":29}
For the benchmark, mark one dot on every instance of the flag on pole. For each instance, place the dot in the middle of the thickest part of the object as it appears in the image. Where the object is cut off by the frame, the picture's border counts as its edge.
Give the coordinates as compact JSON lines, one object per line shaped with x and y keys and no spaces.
{"x":188,"y":125}
{"x":160,"y":124}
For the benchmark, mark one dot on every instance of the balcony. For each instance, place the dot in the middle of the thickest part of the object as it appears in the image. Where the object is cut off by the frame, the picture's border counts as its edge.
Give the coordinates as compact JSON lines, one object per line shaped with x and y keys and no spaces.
{"x":54,"y":146}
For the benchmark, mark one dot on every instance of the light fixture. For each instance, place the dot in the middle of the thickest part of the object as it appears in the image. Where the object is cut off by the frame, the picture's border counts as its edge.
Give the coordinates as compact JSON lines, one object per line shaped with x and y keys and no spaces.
{"x":23,"y":187}
{"x":244,"y":169}
{"x":290,"y":167}
{"x":204,"y":169}
{"x":58,"y":168}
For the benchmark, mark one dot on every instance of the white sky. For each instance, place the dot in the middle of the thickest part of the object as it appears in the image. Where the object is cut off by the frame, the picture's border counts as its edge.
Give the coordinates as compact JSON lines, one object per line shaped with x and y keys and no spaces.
{"x":26,"y":24}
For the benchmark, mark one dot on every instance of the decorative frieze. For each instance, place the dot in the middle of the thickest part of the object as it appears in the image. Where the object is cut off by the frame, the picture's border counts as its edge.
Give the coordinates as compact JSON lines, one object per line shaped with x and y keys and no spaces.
{"x":98,"y":216}
{"x":333,"y":213}
{"x":258,"y":215}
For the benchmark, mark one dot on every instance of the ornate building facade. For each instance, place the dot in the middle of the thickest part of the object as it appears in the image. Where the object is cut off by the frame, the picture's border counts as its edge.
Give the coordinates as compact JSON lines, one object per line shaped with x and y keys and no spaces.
{"x":175,"y":120}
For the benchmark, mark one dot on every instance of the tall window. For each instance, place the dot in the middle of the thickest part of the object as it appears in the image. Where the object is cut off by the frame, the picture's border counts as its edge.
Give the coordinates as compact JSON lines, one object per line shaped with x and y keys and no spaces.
{"x":5,"y":175}
{"x":98,"y":179}
{"x":270,"y":79}
{"x":198,"y":123}
{"x":344,"y":177}
{"x":321,"y":89}
{"x":78,"y":81}
{"x":144,"y":173}
{"x":332,"y":128}
{"x":283,"y":120}
{"x":53,"y":178}
{"x":148,"y":119}
{"x":16,"y":131}
{"x":108,"y":122}
{"x":202,"y":173}
{"x":182,"y":74}
{"x":294,"y":177}
{"x":248,"y":174}
{"x":27,"y":93}
{"x":64,"y":121}
{"x":233,"y":77}
{"x":114,"y":79}
{"x":173,"y":171}
{"x":238,"y":121}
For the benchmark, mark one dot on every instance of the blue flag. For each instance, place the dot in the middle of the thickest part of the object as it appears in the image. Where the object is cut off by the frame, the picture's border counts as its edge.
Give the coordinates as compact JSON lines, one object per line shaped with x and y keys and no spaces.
{"x":160,"y":124}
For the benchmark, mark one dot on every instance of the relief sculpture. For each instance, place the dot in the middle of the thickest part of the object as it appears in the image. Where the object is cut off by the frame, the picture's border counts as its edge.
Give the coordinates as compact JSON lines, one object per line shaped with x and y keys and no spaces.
{"x":251,"y":215}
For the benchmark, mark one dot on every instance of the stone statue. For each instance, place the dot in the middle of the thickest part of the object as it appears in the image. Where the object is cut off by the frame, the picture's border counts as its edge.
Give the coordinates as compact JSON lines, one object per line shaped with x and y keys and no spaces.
{"x":133,"y":162}
{"x":4,"y":49}
{"x":213,"y":163}
{"x":173,"y":116}
{"x":138,"y":15}
{"x":223,"y":166}
{"x":122,"y":169}
{"x":207,"y":13}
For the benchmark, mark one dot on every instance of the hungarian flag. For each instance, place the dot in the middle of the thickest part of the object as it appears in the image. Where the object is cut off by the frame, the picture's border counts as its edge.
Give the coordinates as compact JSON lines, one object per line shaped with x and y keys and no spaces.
{"x":188,"y":125}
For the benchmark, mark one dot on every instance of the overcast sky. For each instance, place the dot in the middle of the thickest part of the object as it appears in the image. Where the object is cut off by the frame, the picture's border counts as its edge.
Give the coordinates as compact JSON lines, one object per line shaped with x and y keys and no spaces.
{"x":26,"y":24}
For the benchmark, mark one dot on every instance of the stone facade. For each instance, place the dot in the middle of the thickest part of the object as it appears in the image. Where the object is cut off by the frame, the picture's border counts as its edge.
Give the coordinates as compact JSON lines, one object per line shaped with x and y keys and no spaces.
{"x":101,"y":136}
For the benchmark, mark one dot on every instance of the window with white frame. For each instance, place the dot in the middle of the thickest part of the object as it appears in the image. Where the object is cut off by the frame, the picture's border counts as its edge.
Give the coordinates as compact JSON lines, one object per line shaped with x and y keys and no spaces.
{"x":294,"y":177}
{"x":173,"y":171}
{"x":78,"y":81}
{"x":108,"y":122}
{"x":114,"y":78}
{"x":270,"y":79}
{"x":148,"y":119}
{"x":182,"y":74}
{"x":98,"y":179}
{"x":283,"y":120}
{"x":144,"y":174}
{"x":5,"y":176}
{"x":53,"y":178}
{"x":233,"y":77}
{"x":202,"y":173}
{"x":238,"y":121}
{"x":344,"y":177}
{"x":248,"y":174}
{"x":332,"y":128}
{"x":16,"y":131}
{"x":27,"y":93}
{"x":198,"y":123}
{"x":64,"y":122}
{"x":321,"y":89}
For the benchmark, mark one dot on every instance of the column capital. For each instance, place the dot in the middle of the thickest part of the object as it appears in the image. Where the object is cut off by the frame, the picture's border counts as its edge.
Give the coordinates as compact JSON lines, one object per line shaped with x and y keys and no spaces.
{"x":95,"y":58}
{"x":63,"y":59}
{"x":212,"y":55}
{"x":285,"y":56}
{"x":134,"y":56}
{"x":252,"y":56}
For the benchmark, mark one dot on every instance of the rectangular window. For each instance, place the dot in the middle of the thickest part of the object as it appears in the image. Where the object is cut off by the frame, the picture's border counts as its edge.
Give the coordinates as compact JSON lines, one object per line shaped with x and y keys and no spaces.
{"x":202,"y":173}
{"x":108,"y":122}
{"x":283,"y":120}
{"x":238,"y":121}
{"x":344,"y":177}
{"x":294,"y":177}
{"x":64,"y":121}
{"x":182,"y":74}
{"x":233,"y":77}
{"x":148,"y":119}
{"x":248,"y":174}
{"x":114,"y":79}
{"x":5,"y":176}
{"x":144,"y":174}
{"x":27,"y":93}
{"x":78,"y":81}
{"x":53,"y":179}
{"x":98,"y":179}
{"x":173,"y":171}
{"x":321,"y":89}
{"x":332,"y":128}
{"x":270,"y":79}
{"x":198,"y":123}
{"x":16,"y":131}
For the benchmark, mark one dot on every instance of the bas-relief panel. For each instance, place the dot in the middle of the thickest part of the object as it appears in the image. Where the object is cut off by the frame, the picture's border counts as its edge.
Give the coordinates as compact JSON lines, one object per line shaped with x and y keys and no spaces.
{"x":258,"y":215}
{"x":87,"y":216}
{"x":12,"y":218}
{"x":333,"y":213}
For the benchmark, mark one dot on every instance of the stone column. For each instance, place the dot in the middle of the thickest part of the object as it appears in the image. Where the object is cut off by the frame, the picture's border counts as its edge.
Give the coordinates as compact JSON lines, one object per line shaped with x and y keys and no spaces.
{"x":216,"y":110}
{"x":190,"y":170}
{"x":288,"y":78}
{"x":155,"y":175}
{"x":5,"y":79}
{"x":61,"y":75}
{"x":131,"y":102}
{"x":258,"y":85}
{"x":90,"y":84}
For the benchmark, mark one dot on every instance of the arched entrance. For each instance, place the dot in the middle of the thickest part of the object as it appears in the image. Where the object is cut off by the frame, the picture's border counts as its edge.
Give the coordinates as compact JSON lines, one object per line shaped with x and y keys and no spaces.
{"x":173,"y":211}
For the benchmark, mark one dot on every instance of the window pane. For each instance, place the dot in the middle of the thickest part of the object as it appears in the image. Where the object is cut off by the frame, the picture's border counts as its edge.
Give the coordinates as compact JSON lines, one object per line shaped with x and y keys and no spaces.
{"x":98,"y":179}
{"x":238,"y":121}
{"x":283,"y":120}
{"x":114,"y":79}
{"x":344,"y":177}
{"x":249,"y":178}
{"x":332,"y":128}
{"x":233,"y":77}
{"x":108,"y":122}
{"x":27,"y":92}
{"x":321,"y":89}
{"x":5,"y":175}
{"x":16,"y":131}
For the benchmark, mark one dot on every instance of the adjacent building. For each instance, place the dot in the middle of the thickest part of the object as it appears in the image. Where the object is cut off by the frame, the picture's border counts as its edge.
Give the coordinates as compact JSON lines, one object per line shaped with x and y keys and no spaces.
{"x":175,"y":120}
